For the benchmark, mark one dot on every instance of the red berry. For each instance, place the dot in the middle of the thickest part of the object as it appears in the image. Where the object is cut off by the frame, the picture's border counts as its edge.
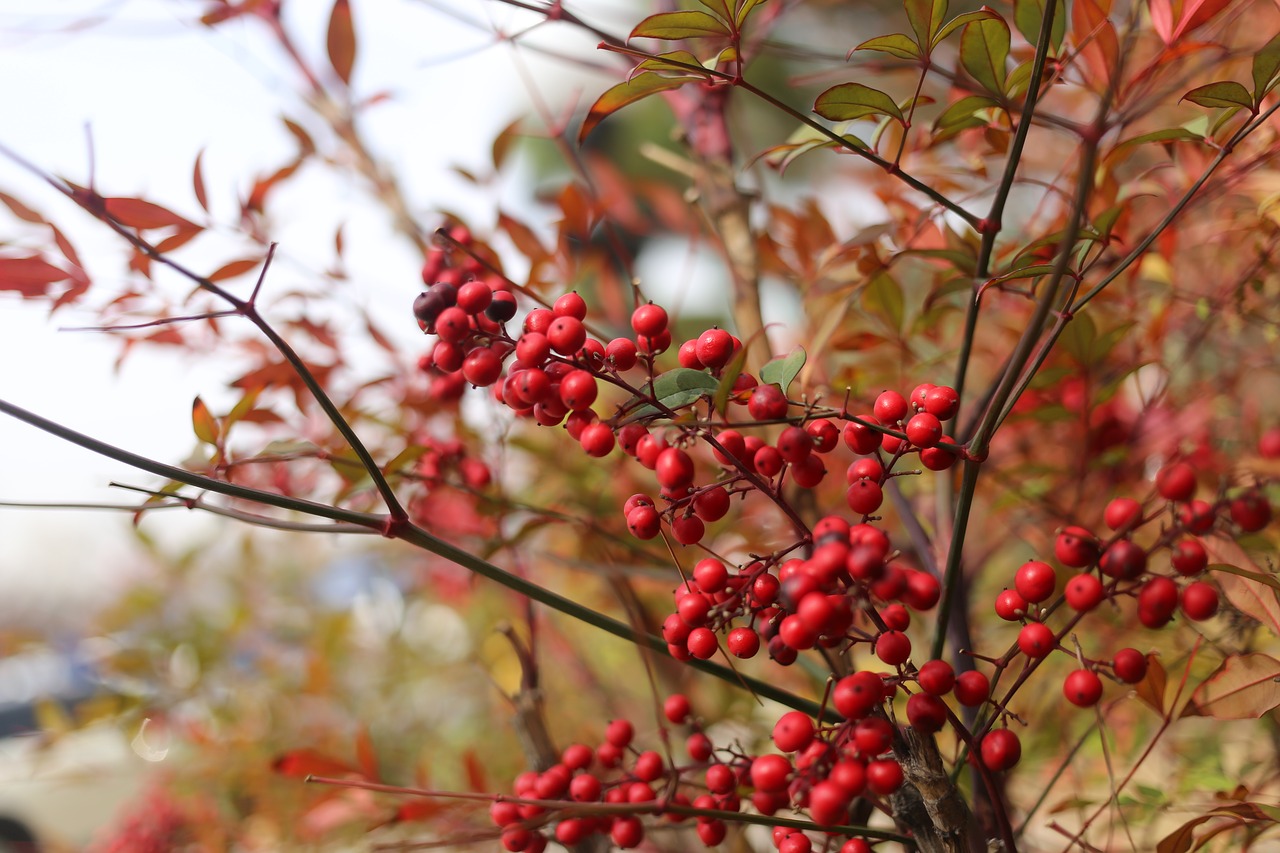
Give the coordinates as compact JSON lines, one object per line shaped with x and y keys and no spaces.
{"x":893,"y":647}
{"x":824,"y":434}
{"x":1084,"y":592}
{"x":702,"y":643}
{"x":1075,"y":547}
{"x":714,"y":348}
{"x":923,"y":590}
{"x":688,"y":529}
{"x":1010,"y":606}
{"x":1036,"y":580}
{"x":896,"y":617}
{"x":855,"y":695}
{"x":1269,"y":444}
{"x":972,"y":688}
{"x":566,"y":335}
{"x":482,"y":367}
{"x":474,"y":297}
{"x":743,"y":643}
{"x":828,"y":804}
{"x":649,"y":320}
{"x":767,"y":461}
{"x":502,"y":308}
{"x":627,"y":832}
{"x":597,"y":440}
{"x":677,"y":708}
{"x":767,"y":403}
{"x":570,"y":305}
{"x":924,"y":430}
{"x":1197,"y":516}
{"x":619,"y":733}
{"x":1001,"y":749}
{"x":938,"y":458}
{"x":1251,"y":511}
{"x":1035,"y":640}
{"x":884,"y":776}
{"x":859,"y":438}
{"x":864,"y":497}
{"x":1199,"y":601}
{"x":578,"y":390}
{"x":926,"y":713}
{"x":873,"y":736}
{"x":644,"y":522}
{"x":711,"y":504}
{"x":1083,"y":688}
{"x":942,"y":401}
{"x":936,"y":677}
{"x":698,"y":746}
{"x":1122,"y":513}
{"x":890,"y":407}
{"x":1189,"y":557}
{"x":1129,"y":665}
{"x":795,"y":444}
{"x":674,"y":468}
{"x":793,"y":731}
{"x":687,"y":355}
{"x":622,"y":352}
{"x":711,"y":832}
{"x":1176,"y":482}
{"x":1157,"y":600}
{"x":770,"y":772}
{"x":1123,"y":560}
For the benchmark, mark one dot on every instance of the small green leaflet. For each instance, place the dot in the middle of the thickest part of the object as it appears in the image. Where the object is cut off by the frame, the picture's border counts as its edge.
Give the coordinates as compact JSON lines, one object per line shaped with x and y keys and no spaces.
{"x":615,"y":98}
{"x":782,"y":372}
{"x":680,"y":25}
{"x":984,"y":49}
{"x":1228,"y":94}
{"x":674,"y":389}
{"x":1265,"y":65}
{"x":850,"y":101}
{"x":895,"y":44}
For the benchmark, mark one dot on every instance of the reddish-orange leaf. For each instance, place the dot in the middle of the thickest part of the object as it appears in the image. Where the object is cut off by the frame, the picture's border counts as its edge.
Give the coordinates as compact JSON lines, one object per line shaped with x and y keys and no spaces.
{"x":1197,"y":13}
{"x":1244,"y":687}
{"x":20,"y":210}
{"x":178,"y":238}
{"x":475,"y":772}
{"x":136,"y":213}
{"x":417,"y":810}
{"x":1151,"y":688}
{"x":203,"y":423}
{"x":1162,"y":19}
{"x":197,"y":182}
{"x":233,"y":269}
{"x":366,"y":756}
{"x":29,"y":276}
{"x":301,"y":763}
{"x":342,"y":40}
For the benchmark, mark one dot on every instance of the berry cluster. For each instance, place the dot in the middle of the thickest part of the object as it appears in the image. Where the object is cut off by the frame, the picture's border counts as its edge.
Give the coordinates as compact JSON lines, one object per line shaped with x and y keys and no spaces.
{"x":606,"y":790}
{"x":839,"y":586}
{"x":1120,"y":568}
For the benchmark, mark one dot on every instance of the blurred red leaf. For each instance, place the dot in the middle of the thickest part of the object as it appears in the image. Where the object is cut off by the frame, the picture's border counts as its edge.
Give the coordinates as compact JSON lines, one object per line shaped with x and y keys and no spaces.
{"x":29,"y":276}
{"x":475,"y":772}
{"x":20,"y":210}
{"x":417,"y":810}
{"x":143,"y":215}
{"x":301,"y":763}
{"x":233,"y":269}
{"x":178,"y":238}
{"x":197,"y":182}
{"x":342,"y":40}
{"x":1244,"y":687}
{"x":366,"y":755}
{"x":1197,"y":13}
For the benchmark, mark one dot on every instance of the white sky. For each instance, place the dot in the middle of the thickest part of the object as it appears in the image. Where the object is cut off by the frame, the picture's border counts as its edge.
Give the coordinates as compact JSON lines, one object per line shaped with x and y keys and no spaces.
{"x":155,"y":89}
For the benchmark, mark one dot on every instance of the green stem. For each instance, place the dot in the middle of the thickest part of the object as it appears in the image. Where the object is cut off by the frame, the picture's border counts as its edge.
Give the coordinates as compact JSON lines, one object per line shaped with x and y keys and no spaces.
{"x":952,"y":572}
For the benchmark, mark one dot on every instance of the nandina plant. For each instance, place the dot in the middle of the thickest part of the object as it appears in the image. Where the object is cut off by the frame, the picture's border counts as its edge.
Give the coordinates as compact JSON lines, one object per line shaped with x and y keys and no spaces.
{"x":983,"y":524}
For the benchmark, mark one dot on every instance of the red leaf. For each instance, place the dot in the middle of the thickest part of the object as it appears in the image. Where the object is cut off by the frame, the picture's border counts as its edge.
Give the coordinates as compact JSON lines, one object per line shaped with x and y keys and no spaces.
{"x":197,"y":182}
{"x":29,"y":276}
{"x":178,"y":238}
{"x":366,"y":755}
{"x":417,"y":810}
{"x":20,"y":210}
{"x":301,"y":763}
{"x":342,"y":40}
{"x":136,"y":213}
{"x":1162,"y":19}
{"x":475,"y":772}
{"x":1244,"y":687}
{"x":1197,"y":13}
{"x":234,"y":269}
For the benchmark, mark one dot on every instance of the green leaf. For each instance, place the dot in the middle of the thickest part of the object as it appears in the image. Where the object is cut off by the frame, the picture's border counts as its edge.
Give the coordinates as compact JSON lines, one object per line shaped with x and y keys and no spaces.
{"x":896,"y":44}
{"x":203,"y":422}
{"x":783,"y":371}
{"x":405,"y":458}
{"x":728,"y":376}
{"x":883,"y":296}
{"x":967,"y":18}
{"x":1028,"y":17}
{"x":746,"y":8}
{"x":1260,"y":577}
{"x":1227,"y":93}
{"x":619,"y":96}
{"x":850,"y":101}
{"x":984,"y":49}
{"x":680,"y":25}
{"x":962,"y":115}
{"x":678,"y":61}
{"x":926,"y":17}
{"x":674,"y":389}
{"x":719,"y":7}
{"x":1266,"y":63}
{"x":1169,"y":134}
{"x":802,"y":141}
